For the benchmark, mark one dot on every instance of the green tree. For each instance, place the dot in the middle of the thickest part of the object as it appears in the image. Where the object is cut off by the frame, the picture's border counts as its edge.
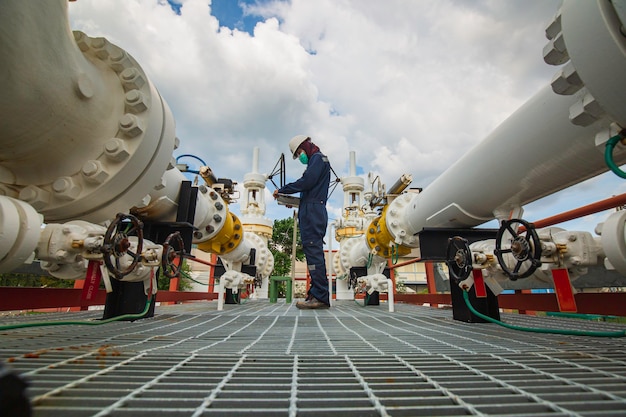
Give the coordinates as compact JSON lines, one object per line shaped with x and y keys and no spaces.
{"x":163,"y":282}
{"x":280,"y":245}
{"x":33,"y":280}
{"x":12,"y":279}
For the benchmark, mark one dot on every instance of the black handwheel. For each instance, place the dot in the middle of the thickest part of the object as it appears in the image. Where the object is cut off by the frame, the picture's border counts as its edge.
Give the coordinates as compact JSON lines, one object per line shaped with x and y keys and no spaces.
{"x":116,"y":244}
{"x":458,"y":258}
{"x":173,"y":253}
{"x":522,"y":249}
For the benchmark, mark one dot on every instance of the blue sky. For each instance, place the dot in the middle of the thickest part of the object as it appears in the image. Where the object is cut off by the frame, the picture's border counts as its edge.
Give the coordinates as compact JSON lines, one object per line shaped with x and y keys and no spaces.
{"x":410,"y":86}
{"x":232,"y":14}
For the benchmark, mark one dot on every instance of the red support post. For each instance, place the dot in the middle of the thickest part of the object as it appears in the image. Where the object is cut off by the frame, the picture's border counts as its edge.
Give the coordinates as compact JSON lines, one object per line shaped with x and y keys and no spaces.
{"x":564,"y":292}
{"x":78,"y":284}
{"x":430,"y":280}
{"x":211,"y":288}
{"x":479,"y":283}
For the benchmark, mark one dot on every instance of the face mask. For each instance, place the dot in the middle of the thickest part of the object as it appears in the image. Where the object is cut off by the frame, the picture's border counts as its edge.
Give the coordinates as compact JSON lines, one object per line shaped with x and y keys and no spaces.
{"x":303,"y":158}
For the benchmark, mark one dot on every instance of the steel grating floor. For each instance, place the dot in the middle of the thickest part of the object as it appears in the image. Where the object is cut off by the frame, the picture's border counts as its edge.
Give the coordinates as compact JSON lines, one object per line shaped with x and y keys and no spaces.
{"x":262,"y":359}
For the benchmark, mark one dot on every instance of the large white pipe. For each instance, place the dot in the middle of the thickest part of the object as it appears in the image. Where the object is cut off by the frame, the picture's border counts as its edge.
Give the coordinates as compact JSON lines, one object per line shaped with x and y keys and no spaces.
{"x":85,"y":134}
{"x":547,"y":145}
{"x":535,"y":152}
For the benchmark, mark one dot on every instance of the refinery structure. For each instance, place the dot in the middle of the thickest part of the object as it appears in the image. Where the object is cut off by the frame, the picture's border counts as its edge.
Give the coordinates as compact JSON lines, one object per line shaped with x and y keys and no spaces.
{"x":91,"y":191}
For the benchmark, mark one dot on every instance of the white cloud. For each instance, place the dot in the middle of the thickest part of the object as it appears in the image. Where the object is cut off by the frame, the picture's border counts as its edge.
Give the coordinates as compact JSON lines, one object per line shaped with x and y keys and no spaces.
{"x":409,"y":85}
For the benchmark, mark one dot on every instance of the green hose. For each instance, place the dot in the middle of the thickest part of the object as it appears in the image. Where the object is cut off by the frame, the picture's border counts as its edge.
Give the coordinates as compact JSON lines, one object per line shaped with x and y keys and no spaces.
{"x":366,"y":300}
{"x":395,"y":254}
{"x":608,"y":156}
{"x":620,"y":333}
{"x":81,"y":322}
{"x":187,"y":276}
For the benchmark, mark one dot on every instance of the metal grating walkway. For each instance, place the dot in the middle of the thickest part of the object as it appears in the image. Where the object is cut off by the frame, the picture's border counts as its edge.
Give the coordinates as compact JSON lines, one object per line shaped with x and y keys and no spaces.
{"x":262,"y":359}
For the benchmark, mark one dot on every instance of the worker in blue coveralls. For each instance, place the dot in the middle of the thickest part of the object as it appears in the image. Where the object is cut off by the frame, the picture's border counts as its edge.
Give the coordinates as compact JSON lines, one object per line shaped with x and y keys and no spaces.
{"x":312,"y":216}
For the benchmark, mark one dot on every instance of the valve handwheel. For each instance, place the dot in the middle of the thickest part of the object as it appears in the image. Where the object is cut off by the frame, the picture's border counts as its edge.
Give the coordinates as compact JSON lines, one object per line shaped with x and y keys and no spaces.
{"x":173,"y":254}
{"x":117,"y":244}
{"x":523,"y":248}
{"x":459,"y":258}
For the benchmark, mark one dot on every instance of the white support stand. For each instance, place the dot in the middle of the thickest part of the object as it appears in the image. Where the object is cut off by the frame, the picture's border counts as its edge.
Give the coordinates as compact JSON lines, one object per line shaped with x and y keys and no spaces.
{"x":220,"y":297}
{"x":390,"y":295}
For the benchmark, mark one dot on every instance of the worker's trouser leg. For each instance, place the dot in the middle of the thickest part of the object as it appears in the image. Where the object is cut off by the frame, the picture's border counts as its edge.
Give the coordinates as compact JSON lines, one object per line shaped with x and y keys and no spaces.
{"x":314,"y":253}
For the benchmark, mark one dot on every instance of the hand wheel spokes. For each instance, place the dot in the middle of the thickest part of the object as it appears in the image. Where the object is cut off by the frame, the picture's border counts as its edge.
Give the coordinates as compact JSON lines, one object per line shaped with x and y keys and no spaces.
{"x":117,"y":244}
{"x":518,"y":253}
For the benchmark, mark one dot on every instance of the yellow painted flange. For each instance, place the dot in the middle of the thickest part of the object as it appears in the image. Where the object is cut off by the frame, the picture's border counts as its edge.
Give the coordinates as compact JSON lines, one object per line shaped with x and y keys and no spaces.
{"x":228,"y":238}
{"x":380,"y":241}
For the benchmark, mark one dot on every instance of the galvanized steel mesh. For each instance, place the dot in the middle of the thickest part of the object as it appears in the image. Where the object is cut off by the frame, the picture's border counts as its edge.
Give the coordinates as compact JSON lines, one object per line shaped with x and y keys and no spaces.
{"x":262,"y":359}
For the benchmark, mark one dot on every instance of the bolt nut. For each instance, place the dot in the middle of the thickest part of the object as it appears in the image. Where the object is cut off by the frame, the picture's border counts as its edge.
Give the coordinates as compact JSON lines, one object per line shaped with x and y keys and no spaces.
{"x":65,"y":188}
{"x":35,"y":196}
{"x":197,"y":235}
{"x":209,"y":229}
{"x":554,"y":28}
{"x":555,"y":52}
{"x":586,"y":111}
{"x":132,"y":79}
{"x":219,"y":205}
{"x":116,"y":150}
{"x":101,"y":47}
{"x":82,"y":40}
{"x":130,"y":125}
{"x":566,"y":81}
{"x":217,"y":218}
{"x":135,"y":102}
{"x":118,"y":59}
{"x":94,"y":172}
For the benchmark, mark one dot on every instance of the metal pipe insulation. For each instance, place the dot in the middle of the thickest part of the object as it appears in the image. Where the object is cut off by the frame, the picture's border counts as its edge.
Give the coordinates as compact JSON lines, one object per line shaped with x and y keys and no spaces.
{"x":552,"y":142}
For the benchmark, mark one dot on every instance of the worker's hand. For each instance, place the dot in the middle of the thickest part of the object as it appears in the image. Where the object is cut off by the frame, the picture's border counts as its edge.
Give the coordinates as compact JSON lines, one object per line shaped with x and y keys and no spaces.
{"x":275,"y":194}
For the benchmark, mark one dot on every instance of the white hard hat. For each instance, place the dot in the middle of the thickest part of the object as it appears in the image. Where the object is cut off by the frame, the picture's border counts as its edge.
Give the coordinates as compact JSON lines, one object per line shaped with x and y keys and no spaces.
{"x":295,"y":142}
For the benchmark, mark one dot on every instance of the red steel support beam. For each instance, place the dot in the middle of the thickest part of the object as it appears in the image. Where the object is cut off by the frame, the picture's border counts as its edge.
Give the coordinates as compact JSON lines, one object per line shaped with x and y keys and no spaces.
{"x":607,"y":304}
{"x":20,"y":298}
{"x":596,"y":207}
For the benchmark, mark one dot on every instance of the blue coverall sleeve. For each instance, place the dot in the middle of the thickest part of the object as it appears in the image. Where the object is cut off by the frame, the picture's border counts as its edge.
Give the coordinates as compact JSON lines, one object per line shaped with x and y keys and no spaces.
{"x":312,"y":176}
